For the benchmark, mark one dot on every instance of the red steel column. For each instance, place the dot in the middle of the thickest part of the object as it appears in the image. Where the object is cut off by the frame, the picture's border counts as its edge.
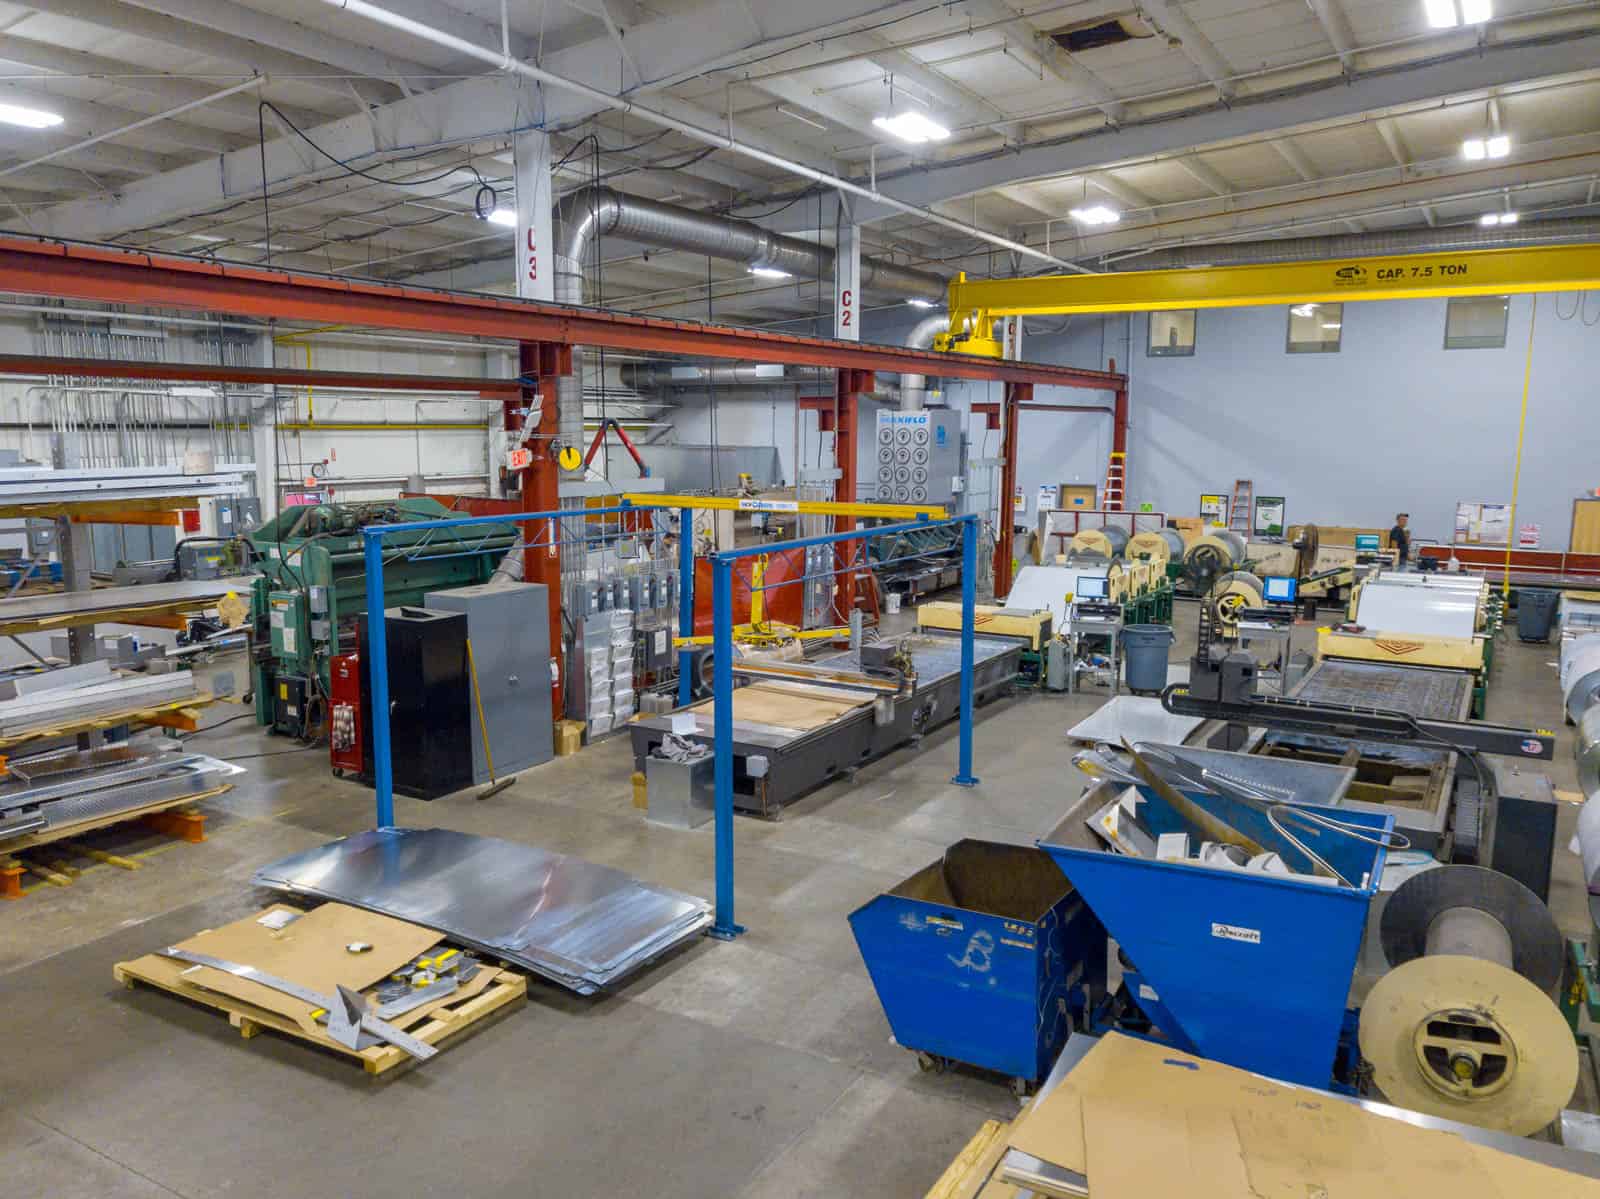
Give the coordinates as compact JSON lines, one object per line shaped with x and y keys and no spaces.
{"x":1016,"y":395}
{"x":545,"y":362}
{"x":851,"y":384}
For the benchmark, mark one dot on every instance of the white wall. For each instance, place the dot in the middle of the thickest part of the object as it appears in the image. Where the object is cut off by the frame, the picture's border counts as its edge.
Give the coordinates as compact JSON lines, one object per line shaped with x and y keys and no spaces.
{"x":1393,"y":422}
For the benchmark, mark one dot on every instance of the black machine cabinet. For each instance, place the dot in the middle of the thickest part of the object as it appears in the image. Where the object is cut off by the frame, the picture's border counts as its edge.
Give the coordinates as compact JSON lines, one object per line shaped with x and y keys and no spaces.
{"x":430,"y":701}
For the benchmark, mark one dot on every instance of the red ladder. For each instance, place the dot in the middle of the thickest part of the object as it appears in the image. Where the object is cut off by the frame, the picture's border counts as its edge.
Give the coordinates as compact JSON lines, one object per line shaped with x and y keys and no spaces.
{"x":1111,"y":493}
{"x":1239,"y":514}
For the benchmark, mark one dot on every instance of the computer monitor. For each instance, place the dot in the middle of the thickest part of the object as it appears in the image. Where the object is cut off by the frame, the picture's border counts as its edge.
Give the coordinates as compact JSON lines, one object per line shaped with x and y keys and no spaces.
{"x":1093,"y":587}
{"x":1281,"y":589}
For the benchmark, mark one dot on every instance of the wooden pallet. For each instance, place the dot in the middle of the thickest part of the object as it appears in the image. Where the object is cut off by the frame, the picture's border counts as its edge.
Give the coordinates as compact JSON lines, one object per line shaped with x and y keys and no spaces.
{"x":443,"y":1023}
{"x":176,"y":818}
{"x":969,"y":1175}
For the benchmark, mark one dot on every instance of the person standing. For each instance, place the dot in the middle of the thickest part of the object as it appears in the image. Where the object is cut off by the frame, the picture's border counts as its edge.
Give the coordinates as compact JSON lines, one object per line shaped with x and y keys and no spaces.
{"x":1400,"y":541}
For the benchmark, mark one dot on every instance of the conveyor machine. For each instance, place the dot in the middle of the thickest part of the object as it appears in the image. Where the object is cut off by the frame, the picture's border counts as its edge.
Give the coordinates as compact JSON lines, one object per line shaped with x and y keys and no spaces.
{"x":798,"y":724}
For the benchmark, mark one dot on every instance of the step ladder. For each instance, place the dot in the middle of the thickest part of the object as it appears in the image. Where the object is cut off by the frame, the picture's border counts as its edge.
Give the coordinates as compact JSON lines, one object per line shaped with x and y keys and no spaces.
{"x":1242,"y":508}
{"x":1111,"y":493}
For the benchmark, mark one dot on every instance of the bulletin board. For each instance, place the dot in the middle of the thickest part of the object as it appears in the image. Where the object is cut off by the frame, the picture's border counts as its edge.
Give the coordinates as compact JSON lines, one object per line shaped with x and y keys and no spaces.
{"x":1479,"y":523}
{"x":1213,"y":512}
{"x":1269,"y":520}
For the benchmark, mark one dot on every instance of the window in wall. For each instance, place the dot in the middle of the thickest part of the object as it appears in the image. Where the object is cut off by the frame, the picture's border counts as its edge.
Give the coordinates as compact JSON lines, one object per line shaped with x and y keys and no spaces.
{"x":1315,"y":328}
{"x":1172,"y":334}
{"x":1476,"y":322}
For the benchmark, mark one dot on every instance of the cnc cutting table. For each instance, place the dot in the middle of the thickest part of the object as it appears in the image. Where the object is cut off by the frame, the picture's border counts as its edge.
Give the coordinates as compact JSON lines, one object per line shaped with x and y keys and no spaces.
{"x":808,"y":733}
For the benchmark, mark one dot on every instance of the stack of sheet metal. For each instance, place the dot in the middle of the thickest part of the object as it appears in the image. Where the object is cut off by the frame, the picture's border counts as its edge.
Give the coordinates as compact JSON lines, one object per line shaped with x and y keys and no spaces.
{"x":578,"y":924}
{"x":69,"y":787}
{"x":62,"y":706}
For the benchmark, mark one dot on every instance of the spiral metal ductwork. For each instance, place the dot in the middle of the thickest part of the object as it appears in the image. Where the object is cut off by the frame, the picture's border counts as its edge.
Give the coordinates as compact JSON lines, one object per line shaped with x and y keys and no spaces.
{"x":1366,"y":245}
{"x":602,"y":211}
{"x":914,"y":388}
{"x":653,"y":376}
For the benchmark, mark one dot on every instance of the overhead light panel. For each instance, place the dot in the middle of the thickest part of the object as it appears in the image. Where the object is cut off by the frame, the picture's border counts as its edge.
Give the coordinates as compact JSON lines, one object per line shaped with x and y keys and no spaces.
{"x":1306,"y":310}
{"x":916,"y":303}
{"x":29,"y":118}
{"x":770,"y":272}
{"x":1447,"y":14}
{"x":1476,"y":149}
{"x":913,"y":127}
{"x":1498,"y":218}
{"x":503,"y":216}
{"x":1098,"y":214}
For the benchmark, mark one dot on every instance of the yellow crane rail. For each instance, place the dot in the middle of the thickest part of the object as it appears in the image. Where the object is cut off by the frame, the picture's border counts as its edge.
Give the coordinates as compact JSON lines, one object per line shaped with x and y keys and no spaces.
{"x":975,"y":304}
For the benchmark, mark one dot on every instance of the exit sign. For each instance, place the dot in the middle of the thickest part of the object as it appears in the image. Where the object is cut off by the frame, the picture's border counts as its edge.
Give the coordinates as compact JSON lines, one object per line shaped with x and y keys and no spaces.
{"x":519,"y":459}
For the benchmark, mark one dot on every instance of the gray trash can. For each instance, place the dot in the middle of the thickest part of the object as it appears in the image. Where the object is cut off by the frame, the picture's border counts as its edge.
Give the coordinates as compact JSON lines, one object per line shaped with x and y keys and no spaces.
{"x":1536,"y":612}
{"x":1144,"y":649}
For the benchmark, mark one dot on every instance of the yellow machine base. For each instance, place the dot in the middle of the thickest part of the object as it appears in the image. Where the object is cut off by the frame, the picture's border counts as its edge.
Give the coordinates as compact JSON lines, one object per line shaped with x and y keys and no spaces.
{"x":1452,"y":653}
{"x":989,"y":620}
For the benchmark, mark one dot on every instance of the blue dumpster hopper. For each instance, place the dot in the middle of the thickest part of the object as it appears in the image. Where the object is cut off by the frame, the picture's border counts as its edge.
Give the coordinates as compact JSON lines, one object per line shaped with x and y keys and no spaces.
{"x":1247,"y":968}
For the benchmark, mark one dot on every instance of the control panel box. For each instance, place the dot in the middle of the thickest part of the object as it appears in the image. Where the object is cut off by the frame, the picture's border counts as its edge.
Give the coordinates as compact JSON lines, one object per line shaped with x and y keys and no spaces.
{"x":919,"y":456}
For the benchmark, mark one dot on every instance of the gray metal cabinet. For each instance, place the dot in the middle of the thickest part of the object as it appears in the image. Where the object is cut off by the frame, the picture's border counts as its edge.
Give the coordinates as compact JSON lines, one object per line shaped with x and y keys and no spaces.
{"x":509,"y":627}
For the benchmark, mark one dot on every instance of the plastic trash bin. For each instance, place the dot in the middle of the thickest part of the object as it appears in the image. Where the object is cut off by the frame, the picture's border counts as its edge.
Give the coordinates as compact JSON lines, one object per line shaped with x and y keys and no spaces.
{"x":1144,"y":649}
{"x":1536,"y":612}
{"x":987,"y":957}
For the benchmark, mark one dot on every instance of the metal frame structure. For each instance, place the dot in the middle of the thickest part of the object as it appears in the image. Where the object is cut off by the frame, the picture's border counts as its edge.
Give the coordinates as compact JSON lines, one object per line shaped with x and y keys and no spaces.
{"x":722,"y":631}
{"x":545,"y":333}
{"x":722,"y":565}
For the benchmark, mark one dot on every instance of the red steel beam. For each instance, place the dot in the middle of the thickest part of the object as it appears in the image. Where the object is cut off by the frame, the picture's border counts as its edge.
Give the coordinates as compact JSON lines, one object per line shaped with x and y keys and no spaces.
{"x":851,"y":384}
{"x":989,"y":408}
{"x":1017,"y":397}
{"x":199,"y":372}
{"x":113,"y":276}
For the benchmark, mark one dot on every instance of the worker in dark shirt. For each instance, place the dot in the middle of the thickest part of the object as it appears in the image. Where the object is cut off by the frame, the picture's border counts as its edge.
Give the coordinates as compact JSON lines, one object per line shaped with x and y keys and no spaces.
{"x":1400,"y":541}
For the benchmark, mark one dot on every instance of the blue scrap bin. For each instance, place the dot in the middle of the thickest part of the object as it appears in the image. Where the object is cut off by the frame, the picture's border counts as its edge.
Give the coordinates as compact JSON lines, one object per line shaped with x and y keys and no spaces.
{"x":987,"y":957}
{"x":1245,"y":968}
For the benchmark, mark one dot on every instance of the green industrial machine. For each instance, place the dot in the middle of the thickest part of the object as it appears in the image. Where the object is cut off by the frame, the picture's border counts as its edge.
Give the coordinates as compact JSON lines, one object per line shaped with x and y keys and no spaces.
{"x":312,"y":588}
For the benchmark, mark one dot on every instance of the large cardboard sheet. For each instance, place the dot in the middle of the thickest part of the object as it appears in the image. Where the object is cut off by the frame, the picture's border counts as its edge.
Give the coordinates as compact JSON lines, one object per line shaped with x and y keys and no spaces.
{"x":1132,"y":1111}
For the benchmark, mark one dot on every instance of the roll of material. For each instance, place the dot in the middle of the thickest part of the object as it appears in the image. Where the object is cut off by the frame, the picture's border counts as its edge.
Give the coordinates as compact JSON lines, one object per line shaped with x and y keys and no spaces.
{"x":1587,"y":751}
{"x":1437,"y":612}
{"x":1160,"y":546}
{"x":1589,"y":842}
{"x":1234,"y":592}
{"x":1225,"y":545}
{"x":1580,"y":675}
{"x":1108,"y":542}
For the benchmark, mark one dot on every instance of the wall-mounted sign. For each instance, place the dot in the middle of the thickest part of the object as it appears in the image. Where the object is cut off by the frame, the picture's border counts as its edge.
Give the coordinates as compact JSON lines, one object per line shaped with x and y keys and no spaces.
{"x":1213,"y":512}
{"x":1482,"y":524}
{"x":1268,"y":520}
{"x":1528,"y":537}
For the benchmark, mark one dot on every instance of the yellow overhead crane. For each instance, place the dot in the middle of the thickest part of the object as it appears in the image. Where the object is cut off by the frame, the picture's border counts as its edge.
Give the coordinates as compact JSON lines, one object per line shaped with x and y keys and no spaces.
{"x":976,"y":304}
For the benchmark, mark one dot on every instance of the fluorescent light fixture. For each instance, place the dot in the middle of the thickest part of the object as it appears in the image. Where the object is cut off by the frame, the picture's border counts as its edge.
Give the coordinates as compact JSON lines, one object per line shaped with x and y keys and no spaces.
{"x":1447,"y":14}
{"x":1498,"y":218}
{"x":1332,"y":324}
{"x":29,"y":118}
{"x":205,"y":237}
{"x":193,"y":392}
{"x":1476,"y":149}
{"x":915,"y":303}
{"x":1304,"y":310}
{"x":769,"y":272}
{"x":503,"y":216}
{"x":912,"y":127}
{"x":1508,"y":218}
{"x":1098,"y":214}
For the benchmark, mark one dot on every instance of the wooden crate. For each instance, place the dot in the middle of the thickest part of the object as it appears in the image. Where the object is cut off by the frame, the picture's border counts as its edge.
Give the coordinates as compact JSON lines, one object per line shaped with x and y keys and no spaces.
{"x":445,"y":1022}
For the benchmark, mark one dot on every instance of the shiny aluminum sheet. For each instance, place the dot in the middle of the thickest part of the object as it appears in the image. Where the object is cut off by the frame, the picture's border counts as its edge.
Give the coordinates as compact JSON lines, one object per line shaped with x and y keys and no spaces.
{"x":1134,"y":718}
{"x":1424,"y":611}
{"x":576,"y":923}
{"x":194,"y":776}
{"x":1039,"y":587}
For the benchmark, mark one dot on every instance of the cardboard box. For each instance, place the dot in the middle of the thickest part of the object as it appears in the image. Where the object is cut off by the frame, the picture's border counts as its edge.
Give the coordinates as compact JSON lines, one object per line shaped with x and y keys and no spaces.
{"x":569,"y":737}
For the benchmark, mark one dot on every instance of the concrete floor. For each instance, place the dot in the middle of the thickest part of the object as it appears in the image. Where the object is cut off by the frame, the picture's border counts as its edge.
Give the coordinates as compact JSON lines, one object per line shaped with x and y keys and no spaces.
{"x":757,"y":1068}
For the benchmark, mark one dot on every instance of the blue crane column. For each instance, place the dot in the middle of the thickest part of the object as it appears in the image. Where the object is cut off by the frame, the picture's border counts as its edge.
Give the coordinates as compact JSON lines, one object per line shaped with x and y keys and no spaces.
{"x":378,"y":670}
{"x":722,"y":740}
{"x":685,"y":603}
